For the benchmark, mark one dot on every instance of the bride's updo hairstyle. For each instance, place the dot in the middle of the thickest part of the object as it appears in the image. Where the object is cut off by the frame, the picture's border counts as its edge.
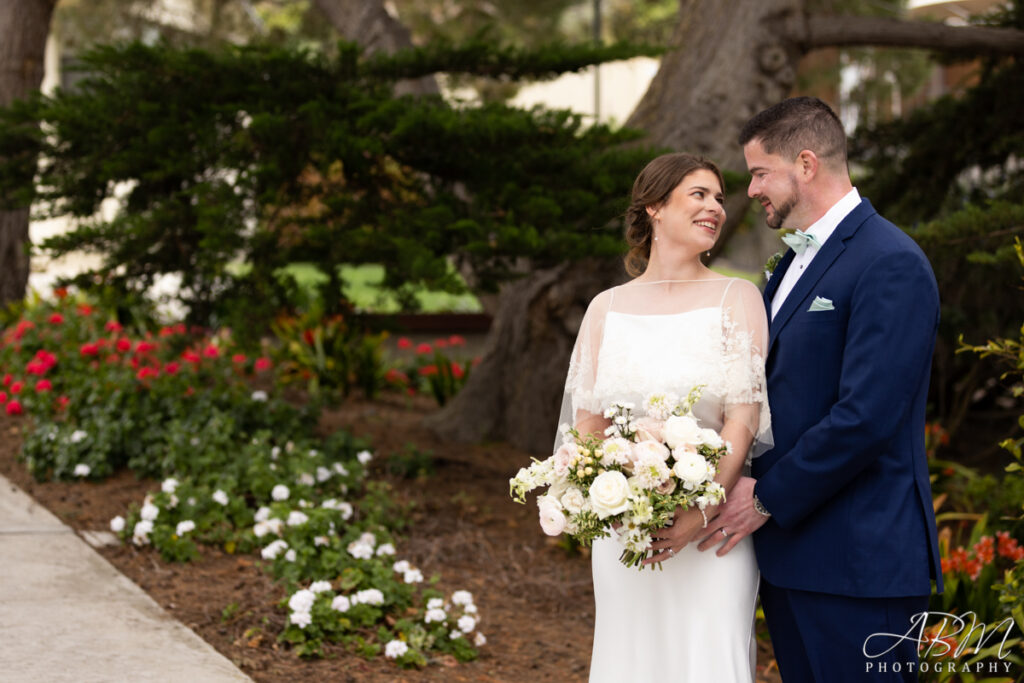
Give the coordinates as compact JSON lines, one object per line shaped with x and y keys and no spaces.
{"x":652,"y":188}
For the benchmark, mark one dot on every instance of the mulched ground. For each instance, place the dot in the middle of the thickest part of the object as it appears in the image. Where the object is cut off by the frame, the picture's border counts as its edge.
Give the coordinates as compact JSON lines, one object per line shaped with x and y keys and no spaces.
{"x":535,"y":600}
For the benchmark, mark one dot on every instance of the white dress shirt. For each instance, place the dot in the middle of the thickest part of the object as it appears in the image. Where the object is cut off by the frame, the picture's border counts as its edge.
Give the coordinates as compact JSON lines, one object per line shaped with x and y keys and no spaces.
{"x":822,"y":229}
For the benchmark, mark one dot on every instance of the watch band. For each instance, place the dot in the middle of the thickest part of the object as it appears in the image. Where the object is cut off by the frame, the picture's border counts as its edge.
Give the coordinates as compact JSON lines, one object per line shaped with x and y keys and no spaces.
{"x":759,"y":506}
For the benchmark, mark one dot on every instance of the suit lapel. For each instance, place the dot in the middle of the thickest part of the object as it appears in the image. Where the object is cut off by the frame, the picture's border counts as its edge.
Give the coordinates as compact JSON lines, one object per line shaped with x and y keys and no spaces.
{"x":773,"y":282}
{"x":823,"y":260}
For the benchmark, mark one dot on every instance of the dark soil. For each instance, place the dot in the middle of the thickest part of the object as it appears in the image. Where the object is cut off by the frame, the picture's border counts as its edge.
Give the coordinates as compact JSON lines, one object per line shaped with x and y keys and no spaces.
{"x":535,"y":599}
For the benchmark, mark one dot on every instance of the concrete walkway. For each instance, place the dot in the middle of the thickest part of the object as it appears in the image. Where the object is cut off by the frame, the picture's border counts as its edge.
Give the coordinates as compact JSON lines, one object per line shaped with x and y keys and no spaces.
{"x":67,"y":615}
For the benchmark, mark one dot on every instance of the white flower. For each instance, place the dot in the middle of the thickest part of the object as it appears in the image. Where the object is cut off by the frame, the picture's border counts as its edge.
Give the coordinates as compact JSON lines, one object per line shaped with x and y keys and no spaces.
{"x":413,"y":576}
{"x":467,"y":623}
{"x":660,"y":406}
{"x":552,"y":519}
{"x":82,"y":470}
{"x":340,"y":469}
{"x":323,"y":474}
{"x":370,"y":596}
{"x":385,"y":549}
{"x":320,"y":586}
{"x":220,"y":497}
{"x":435,"y":603}
{"x":296,"y":518}
{"x":364,"y":457}
{"x":479,"y":639}
{"x":306,"y":479}
{"x":395,"y":649}
{"x":117,"y":524}
{"x":172,"y":501}
{"x":270,"y":526}
{"x":78,"y":436}
{"x":342,"y":506}
{"x":649,"y":469}
{"x":563,"y":459}
{"x":140,"y":534}
{"x":401,"y":567}
{"x":301,"y":619}
{"x":259,"y":395}
{"x":274,"y":549}
{"x":274,"y":452}
{"x":360,"y":551}
{"x":435,"y":614}
{"x":469,"y":609}
{"x":184,"y":527}
{"x":368,"y":538}
{"x":280,"y":492}
{"x":302,"y":600}
{"x":609,"y":494}
{"x":290,"y":555}
{"x":462,"y":598}
{"x":321,"y":541}
{"x":692,"y":469}
{"x":711,"y":438}
{"x":681,"y":430}
{"x":616,"y":451}
{"x":340,"y":603}
{"x":262,"y":515}
{"x":194,"y":441}
{"x":455,"y":633}
{"x":149,"y":512}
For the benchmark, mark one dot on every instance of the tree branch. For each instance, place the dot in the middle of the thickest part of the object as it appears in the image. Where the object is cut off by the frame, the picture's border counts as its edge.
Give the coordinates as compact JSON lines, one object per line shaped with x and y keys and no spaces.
{"x":840,"y":31}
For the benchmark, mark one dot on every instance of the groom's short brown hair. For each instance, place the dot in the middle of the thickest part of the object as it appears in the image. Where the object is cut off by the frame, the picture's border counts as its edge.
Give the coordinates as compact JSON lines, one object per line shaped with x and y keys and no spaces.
{"x":796,"y":124}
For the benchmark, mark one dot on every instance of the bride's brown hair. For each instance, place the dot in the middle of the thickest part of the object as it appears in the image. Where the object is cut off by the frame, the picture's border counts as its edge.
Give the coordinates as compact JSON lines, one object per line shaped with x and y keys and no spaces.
{"x":652,"y":188}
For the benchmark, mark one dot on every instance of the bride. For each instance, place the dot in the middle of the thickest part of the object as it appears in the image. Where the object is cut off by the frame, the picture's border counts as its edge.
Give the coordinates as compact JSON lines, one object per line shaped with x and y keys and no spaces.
{"x":676,"y":325}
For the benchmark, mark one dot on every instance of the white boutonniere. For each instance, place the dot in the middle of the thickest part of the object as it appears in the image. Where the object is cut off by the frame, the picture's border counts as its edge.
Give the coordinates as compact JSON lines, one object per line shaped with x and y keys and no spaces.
{"x":772,"y":264}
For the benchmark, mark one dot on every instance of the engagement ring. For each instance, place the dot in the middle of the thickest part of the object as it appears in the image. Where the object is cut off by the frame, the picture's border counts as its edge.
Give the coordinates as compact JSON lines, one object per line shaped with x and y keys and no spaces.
{"x":671,"y":552}
{"x":724,"y":532}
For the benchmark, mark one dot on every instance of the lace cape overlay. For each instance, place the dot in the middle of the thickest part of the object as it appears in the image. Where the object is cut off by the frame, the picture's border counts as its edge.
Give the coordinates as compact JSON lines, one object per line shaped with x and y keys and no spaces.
{"x":643,"y":338}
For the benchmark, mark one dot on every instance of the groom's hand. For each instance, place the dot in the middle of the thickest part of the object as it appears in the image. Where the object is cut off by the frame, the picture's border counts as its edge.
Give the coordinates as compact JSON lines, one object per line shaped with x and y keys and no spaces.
{"x":736,"y":518}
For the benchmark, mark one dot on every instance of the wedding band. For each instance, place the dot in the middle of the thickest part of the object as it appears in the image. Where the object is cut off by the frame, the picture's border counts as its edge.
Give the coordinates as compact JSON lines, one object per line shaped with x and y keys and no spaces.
{"x":724,"y":532}
{"x":671,"y":552}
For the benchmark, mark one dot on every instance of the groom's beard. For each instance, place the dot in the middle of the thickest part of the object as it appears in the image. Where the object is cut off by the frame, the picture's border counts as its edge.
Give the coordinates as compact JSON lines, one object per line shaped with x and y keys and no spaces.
{"x":781,"y":211}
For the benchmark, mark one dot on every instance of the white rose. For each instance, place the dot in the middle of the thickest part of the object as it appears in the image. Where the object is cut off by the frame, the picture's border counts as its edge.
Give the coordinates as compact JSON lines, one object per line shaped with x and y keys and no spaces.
{"x":692,"y":469}
{"x":117,"y":524}
{"x":552,"y":519}
{"x":395,"y":649}
{"x":301,"y":619}
{"x":149,"y":512}
{"x":340,"y":603}
{"x":302,"y":600}
{"x":573,"y":500}
{"x":681,"y":430}
{"x":650,"y":451}
{"x":609,"y":494}
{"x":466,"y":623}
{"x":711,"y":438}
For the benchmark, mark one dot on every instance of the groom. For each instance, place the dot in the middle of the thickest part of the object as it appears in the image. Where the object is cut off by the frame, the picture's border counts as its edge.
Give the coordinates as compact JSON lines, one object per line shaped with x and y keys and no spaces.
{"x":842,"y":508}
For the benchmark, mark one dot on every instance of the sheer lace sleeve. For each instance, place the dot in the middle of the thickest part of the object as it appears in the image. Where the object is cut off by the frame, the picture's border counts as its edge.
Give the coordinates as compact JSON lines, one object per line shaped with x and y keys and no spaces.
{"x":745,"y":339}
{"x":581,"y":407}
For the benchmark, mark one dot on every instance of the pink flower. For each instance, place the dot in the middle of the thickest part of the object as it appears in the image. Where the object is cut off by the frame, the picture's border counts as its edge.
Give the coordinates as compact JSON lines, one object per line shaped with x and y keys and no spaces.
{"x":239,"y":358}
{"x":262,"y":364}
{"x":649,"y":429}
{"x":211,"y":351}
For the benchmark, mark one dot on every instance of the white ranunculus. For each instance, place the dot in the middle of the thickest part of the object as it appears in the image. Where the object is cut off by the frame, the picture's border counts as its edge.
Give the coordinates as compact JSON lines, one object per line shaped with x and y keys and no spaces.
{"x":692,"y":469}
{"x":711,"y":438}
{"x":184,"y":526}
{"x":149,"y":512}
{"x":467,"y":623}
{"x":117,"y":524}
{"x":301,"y":619}
{"x":341,"y":603}
{"x":82,"y":470}
{"x":609,"y":494}
{"x":573,"y":500}
{"x":552,"y":519}
{"x":320,"y":586}
{"x":395,"y":649}
{"x":681,"y":430}
{"x":280,"y":492}
{"x":219,"y":496}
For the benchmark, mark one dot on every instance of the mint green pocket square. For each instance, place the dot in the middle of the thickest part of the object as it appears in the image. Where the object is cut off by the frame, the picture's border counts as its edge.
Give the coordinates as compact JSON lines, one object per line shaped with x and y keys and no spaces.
{"x":821,"y":304}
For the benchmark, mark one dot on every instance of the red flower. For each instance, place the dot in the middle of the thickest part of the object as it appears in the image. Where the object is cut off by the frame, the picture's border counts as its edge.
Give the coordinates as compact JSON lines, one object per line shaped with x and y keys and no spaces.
{"x":308,"y":337}
{"x":239,"y":358}
{"x":62,"y":402}
{"x":1008,"y":546}
{"x":56,"y":319}
{"x":947,"y":564}
{"x":7,"y":379}
{"x":84,"y":309}
{"x":113,"y":359}
{"x":14,"y":408}
{"x":189,"y":391}
{"x":147,"y":372}
{"x":423,"y":348}
{"x":90,"y":349}
{"x":457,"y":371}
{"x":440,"y":343}
{"x":958,"y":559}
{"x":124,"y":345}
{"x":428,"y":370}
{"x":43,"y":385}
{"x":211,"y":351}
{"x":263,"y":363}
{"x":165,"y":332}
{"x":456,"y":340}
{"x":191,"y":357}
{"x":3,"y":397}
{"x":145,"y":347}
{"x":404,"y":343}
{"x":60,"y":292}
{"x":113,"y":326}
{"x":985,"y":550}
{"x":35,"y":367}
{"x":22,"y":327}
{"x":16,"y":387}
{"x":411,"y":391}
{"x":172,"y":368}
{"x":395,"y":376}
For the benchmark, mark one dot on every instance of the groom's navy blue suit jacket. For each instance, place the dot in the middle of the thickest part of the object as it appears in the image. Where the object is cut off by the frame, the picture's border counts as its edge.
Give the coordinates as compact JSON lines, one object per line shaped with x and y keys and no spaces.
{"x":847,"y":479}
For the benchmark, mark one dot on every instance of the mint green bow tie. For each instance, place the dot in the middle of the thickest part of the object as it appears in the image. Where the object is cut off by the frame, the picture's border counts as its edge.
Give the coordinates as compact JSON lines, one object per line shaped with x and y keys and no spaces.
{"x":799,"y":241}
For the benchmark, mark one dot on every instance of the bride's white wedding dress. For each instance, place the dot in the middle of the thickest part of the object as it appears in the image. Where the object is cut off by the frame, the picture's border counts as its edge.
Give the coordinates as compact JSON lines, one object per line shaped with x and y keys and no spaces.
{"x":692,"y":620}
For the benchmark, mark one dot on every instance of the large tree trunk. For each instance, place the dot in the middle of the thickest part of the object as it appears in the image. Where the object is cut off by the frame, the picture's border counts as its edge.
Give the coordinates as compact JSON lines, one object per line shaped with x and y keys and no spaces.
{"x":731,"y":60}
{"x":368,"y":23}
{"x":515,"y":392}
{"x":24,"y":25}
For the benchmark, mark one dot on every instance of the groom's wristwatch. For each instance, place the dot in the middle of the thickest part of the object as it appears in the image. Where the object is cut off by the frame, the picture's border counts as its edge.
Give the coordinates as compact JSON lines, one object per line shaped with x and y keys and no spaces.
{"x":759,"y":506}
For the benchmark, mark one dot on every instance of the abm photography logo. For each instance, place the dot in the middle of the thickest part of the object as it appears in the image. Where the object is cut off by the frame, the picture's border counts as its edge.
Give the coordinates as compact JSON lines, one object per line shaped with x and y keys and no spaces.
{"x":953,"y":643}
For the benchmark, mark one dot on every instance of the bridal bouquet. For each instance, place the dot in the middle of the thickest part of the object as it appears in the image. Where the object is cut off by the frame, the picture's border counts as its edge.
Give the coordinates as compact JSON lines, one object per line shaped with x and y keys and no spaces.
{"x":631,"y":482}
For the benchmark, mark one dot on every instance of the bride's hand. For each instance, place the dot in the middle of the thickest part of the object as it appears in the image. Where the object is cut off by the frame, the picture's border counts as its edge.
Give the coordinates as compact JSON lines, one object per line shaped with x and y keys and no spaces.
{"x":669,"y":540}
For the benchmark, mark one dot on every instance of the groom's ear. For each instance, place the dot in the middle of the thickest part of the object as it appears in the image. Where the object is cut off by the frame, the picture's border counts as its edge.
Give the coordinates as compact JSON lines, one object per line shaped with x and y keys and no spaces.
{"x":807,"y":164}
